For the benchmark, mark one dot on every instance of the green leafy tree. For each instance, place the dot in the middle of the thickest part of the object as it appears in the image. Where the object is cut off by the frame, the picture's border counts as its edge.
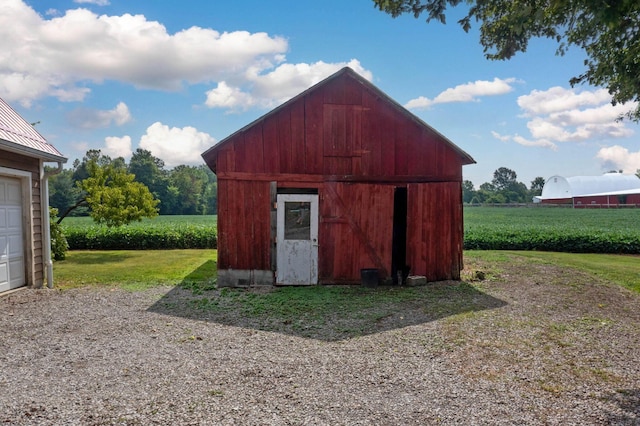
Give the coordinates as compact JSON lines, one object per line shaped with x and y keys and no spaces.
{"x":80,"y":168}
{"x":63,"y":192}
{"x":111,"y":193}
{"x":495,"y":198}
{"x":150,"y":171}
{"x":210,"y":192}
{"x":189,"y":182}
{"x":59,"y":244}
{"x":468,"y":191}
{"x":607,"y":31}
{"x":504,"y":179}
{"x":517,"y":192}
{"x":485,"y":192}
{"x":115,"y":198}
{"x":503,"y":188}
{"x":536,"y":186}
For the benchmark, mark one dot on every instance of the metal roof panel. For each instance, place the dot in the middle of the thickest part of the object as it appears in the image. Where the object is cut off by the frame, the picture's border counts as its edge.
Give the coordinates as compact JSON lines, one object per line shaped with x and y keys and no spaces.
{"x":16,"y":130}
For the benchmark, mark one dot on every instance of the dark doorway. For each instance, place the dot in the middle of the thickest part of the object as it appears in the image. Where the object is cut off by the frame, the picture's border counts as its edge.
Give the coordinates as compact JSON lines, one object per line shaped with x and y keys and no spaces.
{"x":399,"y":267}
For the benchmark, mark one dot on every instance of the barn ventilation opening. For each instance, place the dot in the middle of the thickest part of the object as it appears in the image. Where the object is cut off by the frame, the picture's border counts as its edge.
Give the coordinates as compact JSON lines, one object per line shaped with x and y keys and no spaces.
{"x":399,"y":267}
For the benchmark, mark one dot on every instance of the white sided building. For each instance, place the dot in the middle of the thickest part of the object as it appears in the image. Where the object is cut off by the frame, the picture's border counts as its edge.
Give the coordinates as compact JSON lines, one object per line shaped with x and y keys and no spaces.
{"x":610,"y":189}
{"x":25,"y":255}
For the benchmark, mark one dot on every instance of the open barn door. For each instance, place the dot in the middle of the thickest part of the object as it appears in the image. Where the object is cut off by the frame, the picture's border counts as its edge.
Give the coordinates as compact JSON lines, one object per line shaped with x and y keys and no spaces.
{"x":297,"y":239}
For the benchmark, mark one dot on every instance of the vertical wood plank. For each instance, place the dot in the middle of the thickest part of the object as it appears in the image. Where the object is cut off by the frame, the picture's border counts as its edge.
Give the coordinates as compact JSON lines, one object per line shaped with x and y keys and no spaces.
{"x":271,"y":147}
{"x":352,"y":91}
{"x":255,"y":149}
{"x":298,"y":151}
{"x":283,"y":119}
{"x":239,"y":225}
{"x":223,"y":214}
{"x":314,"y":133}
{"x":405,"y":156}
{"x":388,"y":143}
{"x":334,"y":130}
{"x":334,"y":91}
{"x":370,"y":143}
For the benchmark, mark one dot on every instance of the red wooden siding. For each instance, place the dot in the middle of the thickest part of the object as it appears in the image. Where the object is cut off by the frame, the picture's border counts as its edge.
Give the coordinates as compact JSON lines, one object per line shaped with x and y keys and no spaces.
{"x":434,"y":230}
{"x":356,"y":223}
{"x":243,"y":225}
{"x":355,"y":146}
{"x":606,"y":200}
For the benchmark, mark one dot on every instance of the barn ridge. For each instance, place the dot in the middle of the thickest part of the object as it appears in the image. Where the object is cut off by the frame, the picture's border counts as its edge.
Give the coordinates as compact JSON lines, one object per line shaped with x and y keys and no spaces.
{"x":347,"y":71}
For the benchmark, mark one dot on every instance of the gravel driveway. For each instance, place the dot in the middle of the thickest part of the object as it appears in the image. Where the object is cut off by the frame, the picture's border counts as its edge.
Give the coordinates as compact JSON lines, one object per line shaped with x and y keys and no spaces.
{"x":559,"y":349}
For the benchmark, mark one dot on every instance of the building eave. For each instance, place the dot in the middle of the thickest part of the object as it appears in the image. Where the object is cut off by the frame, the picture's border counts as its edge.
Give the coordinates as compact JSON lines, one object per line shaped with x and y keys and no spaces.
{"x":31,"y":152}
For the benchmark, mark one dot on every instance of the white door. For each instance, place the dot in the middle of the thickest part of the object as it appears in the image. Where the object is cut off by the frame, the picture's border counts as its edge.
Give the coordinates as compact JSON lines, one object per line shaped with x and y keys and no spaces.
{"x":297,"y":239}
{"x":11,"y":241}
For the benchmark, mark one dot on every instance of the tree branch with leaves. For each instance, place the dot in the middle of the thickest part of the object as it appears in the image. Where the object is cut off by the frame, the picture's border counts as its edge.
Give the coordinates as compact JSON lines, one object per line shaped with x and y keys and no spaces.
{"x":608,"y":31}
{"x":112,"y":194}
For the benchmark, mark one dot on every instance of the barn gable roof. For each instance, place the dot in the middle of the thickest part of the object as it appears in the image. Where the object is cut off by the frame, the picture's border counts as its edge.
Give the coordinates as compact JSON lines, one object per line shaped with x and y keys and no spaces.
{"x":17,"y":135}
{"x":346,"y":72}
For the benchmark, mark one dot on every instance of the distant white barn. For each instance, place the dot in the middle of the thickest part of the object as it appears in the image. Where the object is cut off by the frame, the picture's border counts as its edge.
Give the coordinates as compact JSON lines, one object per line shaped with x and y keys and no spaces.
{"x":607,"y":189}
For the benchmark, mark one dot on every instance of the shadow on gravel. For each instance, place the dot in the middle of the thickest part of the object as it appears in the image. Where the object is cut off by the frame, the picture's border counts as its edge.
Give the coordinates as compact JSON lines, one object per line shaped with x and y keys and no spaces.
{"x":328,"y":313}
{"x":628,"y":401}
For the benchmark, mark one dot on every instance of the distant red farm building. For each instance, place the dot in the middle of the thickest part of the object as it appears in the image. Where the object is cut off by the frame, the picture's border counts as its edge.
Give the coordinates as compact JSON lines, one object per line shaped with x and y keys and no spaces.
{"x":339,"y":179}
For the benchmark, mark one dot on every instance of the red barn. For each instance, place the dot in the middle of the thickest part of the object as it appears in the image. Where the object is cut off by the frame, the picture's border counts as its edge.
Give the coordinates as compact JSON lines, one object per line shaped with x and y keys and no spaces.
{"x":339,"y":179}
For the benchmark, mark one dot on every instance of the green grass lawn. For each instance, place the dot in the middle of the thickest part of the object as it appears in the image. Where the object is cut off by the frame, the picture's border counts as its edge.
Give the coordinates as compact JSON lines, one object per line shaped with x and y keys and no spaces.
{"x":136,"y":269}
{"x":623,"y":270}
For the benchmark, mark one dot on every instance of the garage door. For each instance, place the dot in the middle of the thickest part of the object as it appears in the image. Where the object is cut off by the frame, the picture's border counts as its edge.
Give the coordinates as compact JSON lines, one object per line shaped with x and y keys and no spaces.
{"x":11,"y":240}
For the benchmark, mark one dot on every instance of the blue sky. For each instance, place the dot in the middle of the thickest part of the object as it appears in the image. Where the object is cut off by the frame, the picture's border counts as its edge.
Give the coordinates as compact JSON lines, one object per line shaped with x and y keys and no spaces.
{"x":176,"y":77}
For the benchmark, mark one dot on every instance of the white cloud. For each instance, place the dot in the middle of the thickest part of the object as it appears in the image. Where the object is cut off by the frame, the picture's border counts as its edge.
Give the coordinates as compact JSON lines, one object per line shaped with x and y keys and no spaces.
{"x":267,"y":89}
{"x":557,"y":99}
{"x":176,"y":146}
{"x":117,"y":147}
{"x":92,"y":119}
{"x":469,"y":92}
{"x":96,"y":2}
{"x":42,"y":57}
{"x":503,"y":138}
{"x":543,"y":143}
{"x":225,"y":96}
{"x":566,"y":115}
{"x":619,"y":158}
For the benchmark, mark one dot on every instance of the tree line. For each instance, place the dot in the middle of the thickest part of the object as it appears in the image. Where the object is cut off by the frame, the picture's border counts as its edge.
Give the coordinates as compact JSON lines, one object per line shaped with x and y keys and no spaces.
{"x":97,"y":180}
{"x":503,"y":188}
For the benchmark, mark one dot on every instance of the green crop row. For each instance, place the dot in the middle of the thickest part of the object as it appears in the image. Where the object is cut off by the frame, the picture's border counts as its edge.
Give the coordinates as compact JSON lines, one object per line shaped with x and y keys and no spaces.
{"x":553,"y":229}
{"x":142,"y":237}
{"x":570,"y":241}
{"x":486,"y":228}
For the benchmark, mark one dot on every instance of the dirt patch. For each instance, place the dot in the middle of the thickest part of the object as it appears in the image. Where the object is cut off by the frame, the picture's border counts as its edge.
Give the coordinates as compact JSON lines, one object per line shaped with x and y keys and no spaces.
{"x":541,"y":345}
